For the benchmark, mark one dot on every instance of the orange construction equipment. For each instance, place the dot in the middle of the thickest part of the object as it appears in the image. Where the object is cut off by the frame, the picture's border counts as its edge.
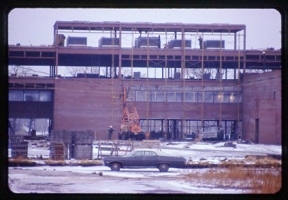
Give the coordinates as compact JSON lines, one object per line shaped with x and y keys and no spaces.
{"x":130,"y":120}
{"x":130,"y":126}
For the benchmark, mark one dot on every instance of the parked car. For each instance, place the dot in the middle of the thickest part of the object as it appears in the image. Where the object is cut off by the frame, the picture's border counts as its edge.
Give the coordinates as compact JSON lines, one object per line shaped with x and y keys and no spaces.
{"x":145,"y":158}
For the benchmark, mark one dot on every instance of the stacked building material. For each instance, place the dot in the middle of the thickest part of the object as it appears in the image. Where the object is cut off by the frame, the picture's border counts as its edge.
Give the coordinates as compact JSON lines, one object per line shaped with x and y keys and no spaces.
{"x":57,"y":151}
{"x":148,"y":42}
{"x":178,"y":44}
{"x":19,"y":147}
{"x":65,"y":137}
{"x":108,"y":42}
{"x":83,"y":137}
{"x":76,"y":41}
{"x":214,"y":44}
{"x":15,"y":139}
{"x":61,"y":136}
{"x":20,"y":150}
{"x":83,"y":141}
{"x":77,"y":144}
{"x":83,"y":151}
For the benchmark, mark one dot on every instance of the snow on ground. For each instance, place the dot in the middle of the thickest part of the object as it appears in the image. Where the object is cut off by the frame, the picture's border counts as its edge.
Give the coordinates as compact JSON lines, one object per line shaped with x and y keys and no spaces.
{"x":206,"y":150}
{"x":217,"y":152}
{"x":78,"y":179}
{"x":47,"y":179}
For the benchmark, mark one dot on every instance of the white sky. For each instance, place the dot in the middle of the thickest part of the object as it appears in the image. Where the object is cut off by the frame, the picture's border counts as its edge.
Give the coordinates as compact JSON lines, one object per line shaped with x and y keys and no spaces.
{"x":35,"y":26}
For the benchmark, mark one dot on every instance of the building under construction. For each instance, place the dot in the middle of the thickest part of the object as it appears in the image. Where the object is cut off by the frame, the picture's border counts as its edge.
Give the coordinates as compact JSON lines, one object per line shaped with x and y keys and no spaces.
{"x":175,"y":78}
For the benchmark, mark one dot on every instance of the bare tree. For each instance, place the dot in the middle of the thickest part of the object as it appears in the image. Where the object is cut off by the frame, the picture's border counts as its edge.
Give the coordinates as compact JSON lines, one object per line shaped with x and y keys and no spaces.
{"x":18,"y":70}
{"x":85,"y":70}
{"x":197,"y":73}
{"x":257,"y":70}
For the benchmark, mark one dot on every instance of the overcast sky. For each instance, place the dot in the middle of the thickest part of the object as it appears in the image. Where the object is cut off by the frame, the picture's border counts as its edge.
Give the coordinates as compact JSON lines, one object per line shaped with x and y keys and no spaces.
{"x":35,"y":26}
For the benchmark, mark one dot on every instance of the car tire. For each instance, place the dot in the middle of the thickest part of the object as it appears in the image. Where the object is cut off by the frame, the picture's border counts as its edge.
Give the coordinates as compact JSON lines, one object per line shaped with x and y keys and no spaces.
{"x":115,"y":166}
{"x":163,"y":167}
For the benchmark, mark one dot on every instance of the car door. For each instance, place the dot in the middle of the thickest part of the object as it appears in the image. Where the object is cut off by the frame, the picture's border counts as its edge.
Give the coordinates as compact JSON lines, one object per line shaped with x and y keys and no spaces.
{"x":150,"y":159}
{"x":136,"y":159}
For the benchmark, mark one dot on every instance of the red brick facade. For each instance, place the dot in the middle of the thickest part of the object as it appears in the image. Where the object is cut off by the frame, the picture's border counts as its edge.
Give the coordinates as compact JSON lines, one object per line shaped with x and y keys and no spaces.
{"x":262,"y":102}
{"x":96,"y":103}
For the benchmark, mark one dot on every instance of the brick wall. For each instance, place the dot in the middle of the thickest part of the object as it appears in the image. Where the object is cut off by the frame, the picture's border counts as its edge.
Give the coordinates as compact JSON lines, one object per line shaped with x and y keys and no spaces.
{"x":86,"y":104}
{"x":262,"y":100}
{"x":82,"y":104}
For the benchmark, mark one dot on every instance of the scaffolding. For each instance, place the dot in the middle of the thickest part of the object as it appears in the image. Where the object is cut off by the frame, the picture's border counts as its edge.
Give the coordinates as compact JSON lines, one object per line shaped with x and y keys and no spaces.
{"x":219,"y":53}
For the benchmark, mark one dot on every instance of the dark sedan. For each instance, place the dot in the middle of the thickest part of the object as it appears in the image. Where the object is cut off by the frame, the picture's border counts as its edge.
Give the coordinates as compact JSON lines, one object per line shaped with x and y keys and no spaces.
{"x":145,"y":158}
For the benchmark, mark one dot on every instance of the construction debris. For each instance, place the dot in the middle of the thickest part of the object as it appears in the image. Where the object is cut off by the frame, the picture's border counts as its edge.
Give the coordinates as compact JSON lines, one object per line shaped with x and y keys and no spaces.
{"x":229,"y":144}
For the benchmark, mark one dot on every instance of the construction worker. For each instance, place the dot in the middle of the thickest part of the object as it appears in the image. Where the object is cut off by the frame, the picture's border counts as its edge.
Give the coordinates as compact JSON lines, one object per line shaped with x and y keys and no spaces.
{"x":110,"y":132}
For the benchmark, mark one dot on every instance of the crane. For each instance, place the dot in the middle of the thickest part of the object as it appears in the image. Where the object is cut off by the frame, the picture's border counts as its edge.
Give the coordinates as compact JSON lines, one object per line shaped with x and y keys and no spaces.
{"x":130,"y":125}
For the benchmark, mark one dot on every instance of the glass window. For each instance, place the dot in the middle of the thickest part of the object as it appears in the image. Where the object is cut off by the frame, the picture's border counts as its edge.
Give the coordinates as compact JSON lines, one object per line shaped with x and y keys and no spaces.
{"x":217,"y":96}
{"x":178,"y":97}
{"x":31,"y":96}
{"x":234,"y":97}
{"x":140,"y":96}
{"x":151,"y":124}
{"x":188,"y":97}
{"x":210,"y":123}
{"x":44,"y":96}
{"x":15,"y":95}
{"x":226,"y":96}
{"x":139,"y":153}
{"x":26,"y":95}
{"x":199,"y":96}
{"x":151,"y":96}
{"x":143,"y":124}
{"x":170,"y":96}
{"x":193,"y":95}
{"x":193,"y":126}
{"x":208,"y":97}
{"x":150,"y":153}
{"x":160,"y":97}
{"x":239,"y":97}
{"x":158,"y":125}
{"x":131,"y":96}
